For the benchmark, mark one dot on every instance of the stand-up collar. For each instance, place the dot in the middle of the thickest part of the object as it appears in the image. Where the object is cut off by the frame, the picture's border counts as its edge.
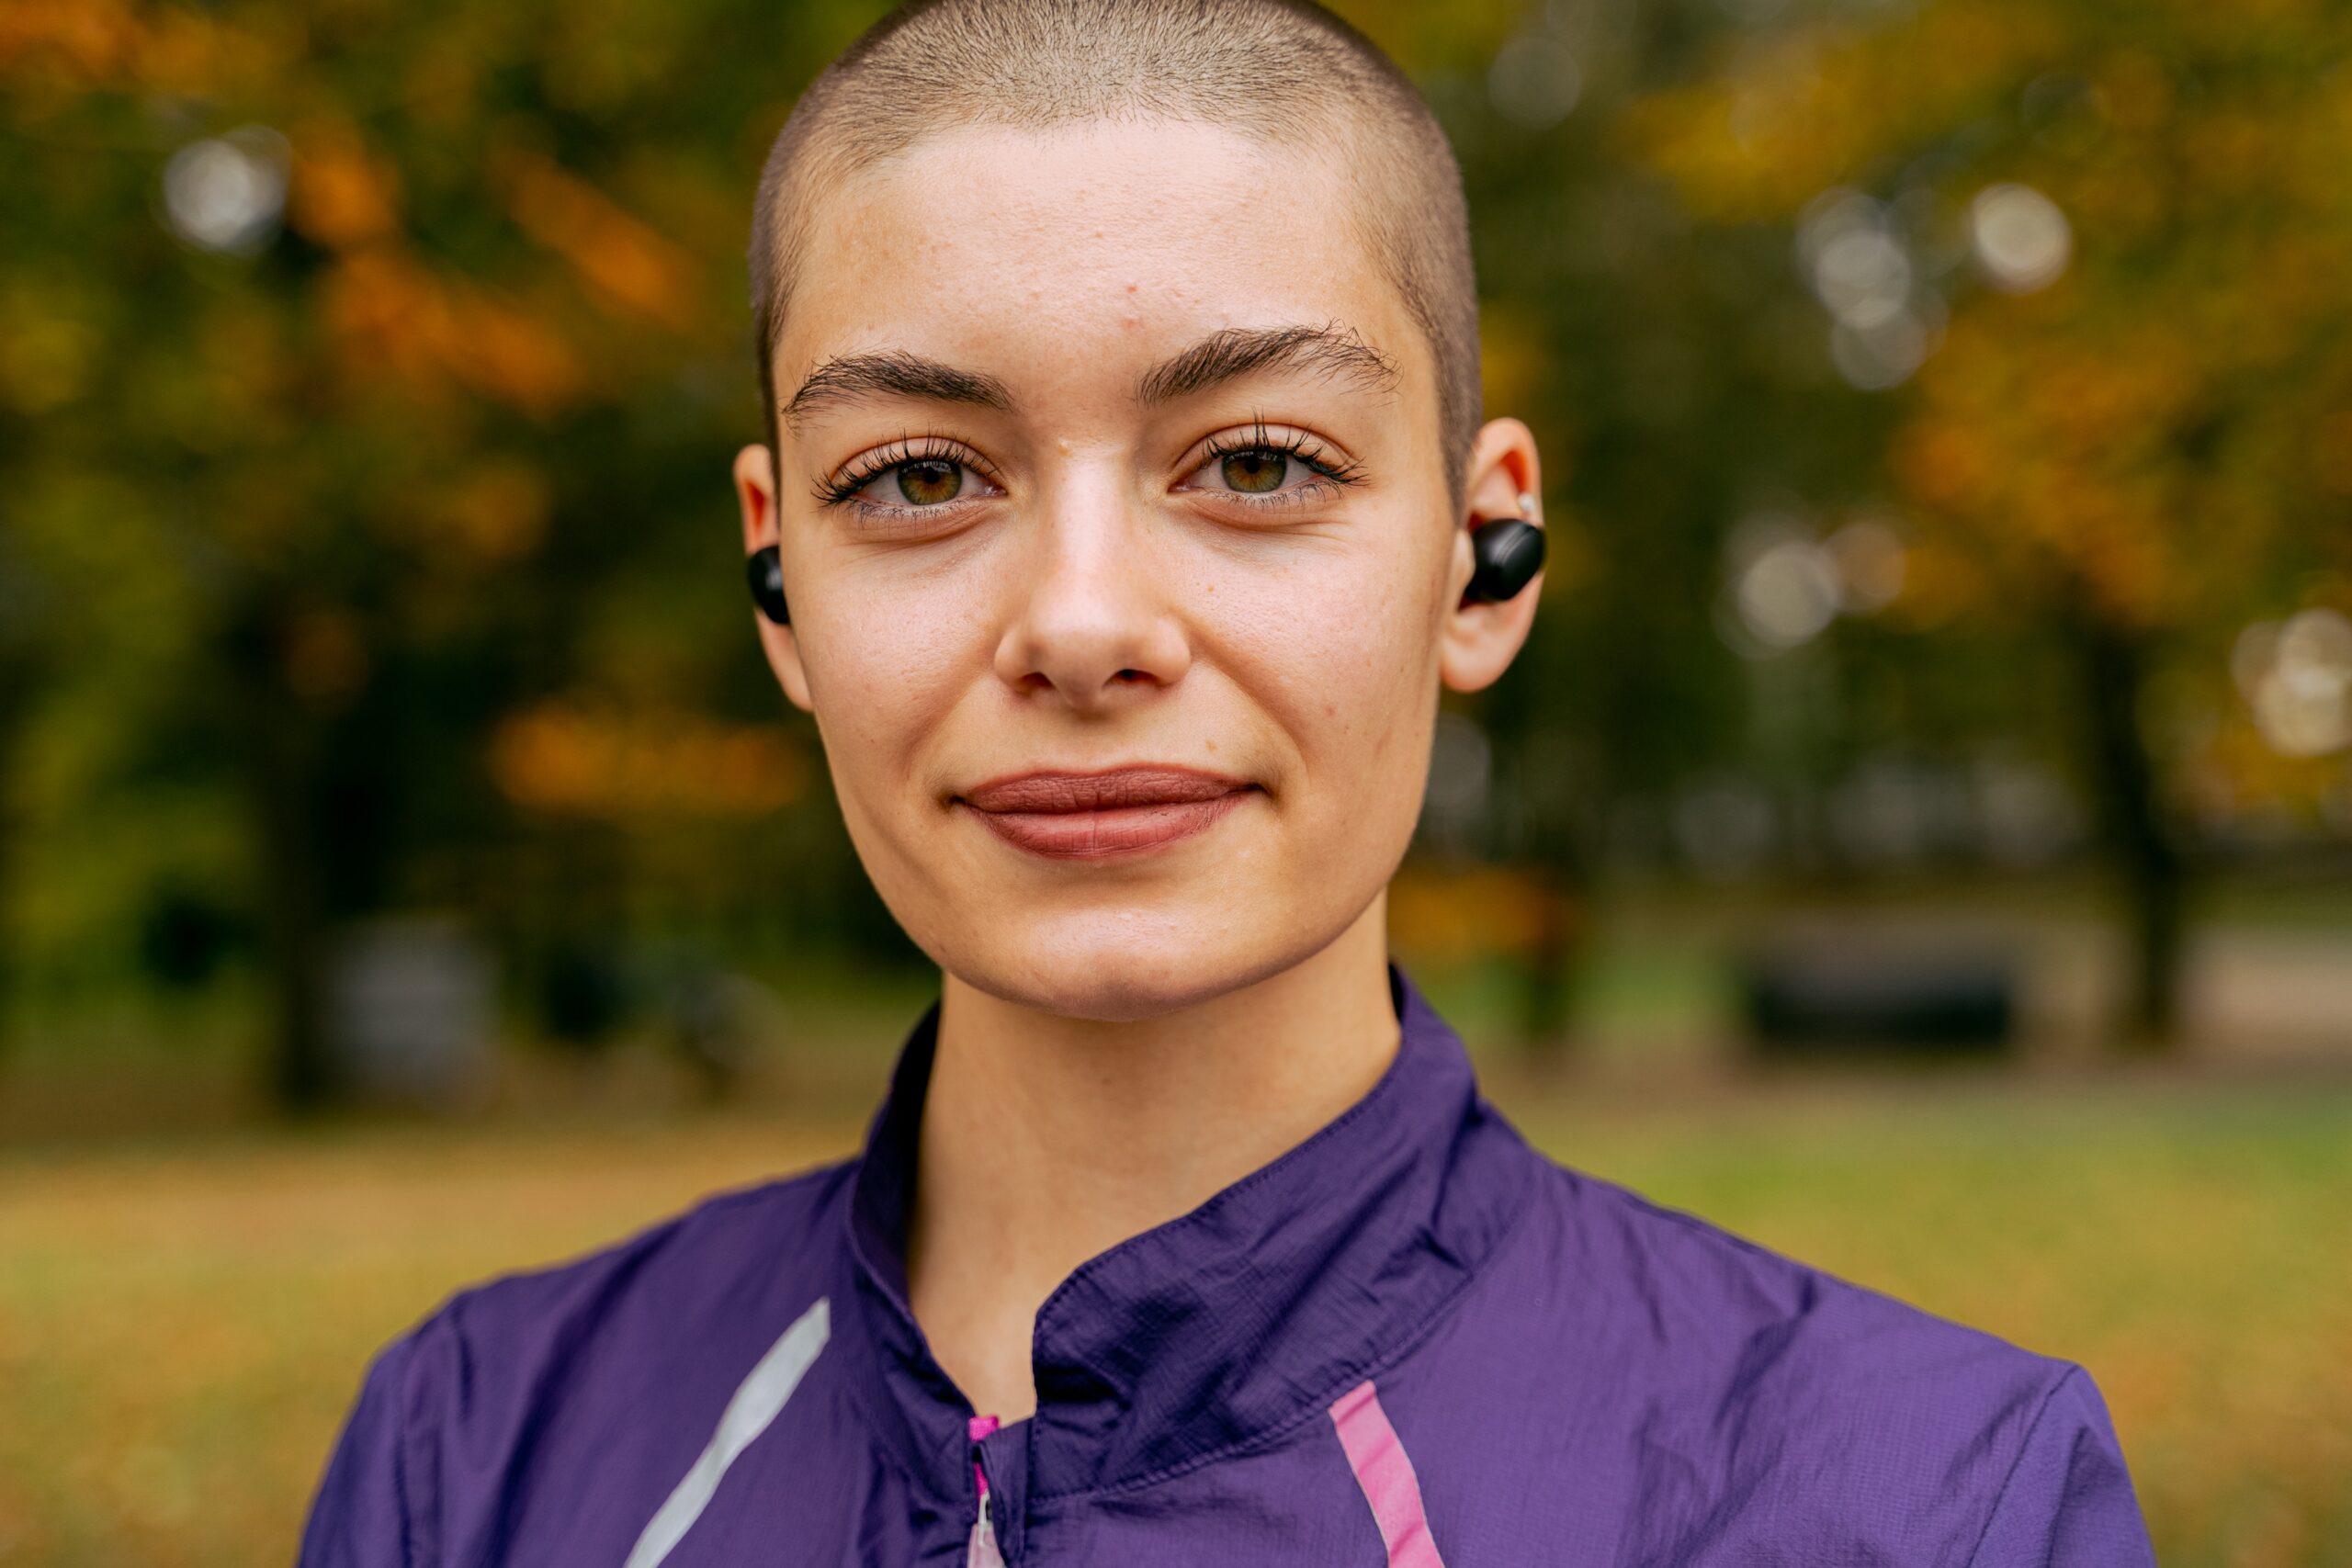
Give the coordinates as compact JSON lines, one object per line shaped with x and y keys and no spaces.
{"x":1218,"y":1326}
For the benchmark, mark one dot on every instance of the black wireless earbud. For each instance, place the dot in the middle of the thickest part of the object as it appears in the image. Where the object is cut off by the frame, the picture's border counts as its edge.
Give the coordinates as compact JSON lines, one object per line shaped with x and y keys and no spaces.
{"x":1509,"y":551}
{"x":765,"y":570}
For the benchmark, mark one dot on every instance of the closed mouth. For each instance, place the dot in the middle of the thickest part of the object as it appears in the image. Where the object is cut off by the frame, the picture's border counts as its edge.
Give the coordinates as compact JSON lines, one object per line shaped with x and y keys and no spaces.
{"x":1152,"y":784}
{"x":1118,"y":811}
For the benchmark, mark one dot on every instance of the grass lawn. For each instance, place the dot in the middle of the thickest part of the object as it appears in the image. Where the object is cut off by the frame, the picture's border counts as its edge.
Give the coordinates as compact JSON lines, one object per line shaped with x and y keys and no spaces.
{"x":183,"y":1323}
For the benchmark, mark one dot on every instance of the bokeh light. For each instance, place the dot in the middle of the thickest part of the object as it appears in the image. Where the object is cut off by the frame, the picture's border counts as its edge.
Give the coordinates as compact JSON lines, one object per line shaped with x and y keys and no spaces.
{"x":226,"y":193}
{"x":2022,"y":240}
{"x":1855,"y":256}
{"x":1787,"y":592}
{"x":1534,"y":82}
{"x":1863,"y":276}
{"x":2296,"y":676}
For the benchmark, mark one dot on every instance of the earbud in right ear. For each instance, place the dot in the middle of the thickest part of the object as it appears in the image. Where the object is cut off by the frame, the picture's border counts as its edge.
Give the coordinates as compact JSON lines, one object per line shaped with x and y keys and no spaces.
{"x":1510,"y":552}
{"x":765,"y":572}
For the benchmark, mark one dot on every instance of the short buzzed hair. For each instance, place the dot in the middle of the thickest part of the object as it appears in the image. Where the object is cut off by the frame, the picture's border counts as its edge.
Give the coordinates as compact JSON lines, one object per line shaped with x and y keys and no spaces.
{"x":1286,"y":71}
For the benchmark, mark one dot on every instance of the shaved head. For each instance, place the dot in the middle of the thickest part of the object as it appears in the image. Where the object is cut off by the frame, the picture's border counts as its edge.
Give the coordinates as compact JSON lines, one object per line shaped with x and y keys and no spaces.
{"x":1290,"y":74}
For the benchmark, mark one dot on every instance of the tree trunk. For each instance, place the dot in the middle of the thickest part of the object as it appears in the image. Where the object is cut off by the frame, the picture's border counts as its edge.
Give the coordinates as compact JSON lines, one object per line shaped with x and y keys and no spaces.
{"x":2137,"y":833}
{"x":1554,"y":965}
{"x":1535,"y":823}
{"x":279,"y":774}
{"x":17,"y":677}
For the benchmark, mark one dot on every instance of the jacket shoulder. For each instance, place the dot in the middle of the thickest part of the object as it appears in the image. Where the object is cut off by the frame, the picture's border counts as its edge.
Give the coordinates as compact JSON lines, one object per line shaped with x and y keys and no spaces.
{"x":1686,"y":1282}
{"x":669,"y":1265}
{"x":454,"y":1412}
{"x":1861,"y":1426}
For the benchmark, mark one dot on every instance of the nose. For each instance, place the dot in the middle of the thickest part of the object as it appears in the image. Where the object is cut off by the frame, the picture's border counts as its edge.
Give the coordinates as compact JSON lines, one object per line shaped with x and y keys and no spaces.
{"x":1093,"y":618}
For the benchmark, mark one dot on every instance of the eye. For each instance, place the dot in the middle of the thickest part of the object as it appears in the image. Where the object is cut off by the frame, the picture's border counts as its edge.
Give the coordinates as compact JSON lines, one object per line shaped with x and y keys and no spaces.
{"x":913,"y":475}
{"x":920,"y":481}
{"x":1271,"y":466}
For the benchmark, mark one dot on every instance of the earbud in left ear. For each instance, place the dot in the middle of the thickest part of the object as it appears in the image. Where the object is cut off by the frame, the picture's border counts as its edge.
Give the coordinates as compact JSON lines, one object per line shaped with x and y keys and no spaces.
{"x":765,"y":570}
{"x":1510,"y":552}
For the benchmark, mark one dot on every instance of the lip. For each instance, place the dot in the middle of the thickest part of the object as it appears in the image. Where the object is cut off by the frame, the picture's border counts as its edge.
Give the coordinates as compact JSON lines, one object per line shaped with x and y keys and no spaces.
{"x":1094,"y":816}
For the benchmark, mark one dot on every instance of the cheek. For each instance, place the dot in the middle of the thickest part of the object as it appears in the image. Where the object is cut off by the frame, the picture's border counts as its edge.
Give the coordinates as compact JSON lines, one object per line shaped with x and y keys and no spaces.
{"x":883,"y":669}
{"x":1342,"y":653}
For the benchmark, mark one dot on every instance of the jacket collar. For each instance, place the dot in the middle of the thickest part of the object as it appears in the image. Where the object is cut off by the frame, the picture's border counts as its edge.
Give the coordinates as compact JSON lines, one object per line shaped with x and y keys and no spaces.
{"x":1222,"y":1326}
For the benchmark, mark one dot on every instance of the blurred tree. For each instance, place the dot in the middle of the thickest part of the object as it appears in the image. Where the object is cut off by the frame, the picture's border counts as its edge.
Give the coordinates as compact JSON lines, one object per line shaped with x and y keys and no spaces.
{"x":369,"y":376}
{"x":2126,"y":430}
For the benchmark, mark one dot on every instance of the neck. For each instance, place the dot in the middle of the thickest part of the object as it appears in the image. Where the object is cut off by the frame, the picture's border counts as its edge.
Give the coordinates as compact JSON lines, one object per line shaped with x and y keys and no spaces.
{"x":1046,"y":1139}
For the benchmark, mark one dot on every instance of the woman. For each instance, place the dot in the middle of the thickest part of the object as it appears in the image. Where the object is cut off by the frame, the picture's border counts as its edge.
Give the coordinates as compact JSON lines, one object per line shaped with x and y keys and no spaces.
{"x":1125,"y":507}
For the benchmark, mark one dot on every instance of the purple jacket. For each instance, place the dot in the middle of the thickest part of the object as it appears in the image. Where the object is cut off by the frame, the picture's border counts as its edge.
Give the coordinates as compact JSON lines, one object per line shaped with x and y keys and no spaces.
{"x":1412,"y":1340}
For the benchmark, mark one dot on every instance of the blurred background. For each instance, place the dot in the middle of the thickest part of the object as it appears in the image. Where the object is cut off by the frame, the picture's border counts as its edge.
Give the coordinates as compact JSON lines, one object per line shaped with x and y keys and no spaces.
{"x":1919,"y":835}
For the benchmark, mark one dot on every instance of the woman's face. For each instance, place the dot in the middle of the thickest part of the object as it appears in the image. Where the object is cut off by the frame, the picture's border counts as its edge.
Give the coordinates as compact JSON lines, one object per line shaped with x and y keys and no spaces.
{"x":1103,"y":447}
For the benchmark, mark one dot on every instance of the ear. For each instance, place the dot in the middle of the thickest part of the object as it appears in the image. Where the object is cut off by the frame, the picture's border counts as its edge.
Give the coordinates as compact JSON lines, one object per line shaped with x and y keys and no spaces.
{"x":755,"y":493}
{"x":1479,"y":640}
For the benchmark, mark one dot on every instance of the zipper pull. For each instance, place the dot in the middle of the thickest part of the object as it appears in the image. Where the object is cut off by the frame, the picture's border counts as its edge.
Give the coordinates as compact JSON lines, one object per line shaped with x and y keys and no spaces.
{"x":983,"y":1552}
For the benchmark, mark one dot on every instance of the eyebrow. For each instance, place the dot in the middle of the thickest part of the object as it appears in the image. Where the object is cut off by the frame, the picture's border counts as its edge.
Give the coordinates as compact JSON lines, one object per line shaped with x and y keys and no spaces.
{"x":1331,"y":351}
{"x":859,"y":376}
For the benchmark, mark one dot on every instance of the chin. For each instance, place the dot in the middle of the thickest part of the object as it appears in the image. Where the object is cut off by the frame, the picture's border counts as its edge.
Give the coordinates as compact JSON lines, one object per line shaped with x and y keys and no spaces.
{"x":1114,"y":969}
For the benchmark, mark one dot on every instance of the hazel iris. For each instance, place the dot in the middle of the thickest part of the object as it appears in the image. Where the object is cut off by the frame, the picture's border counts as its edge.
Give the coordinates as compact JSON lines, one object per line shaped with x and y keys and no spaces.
{"x":1256,"y":471}
{"x":928,"y":482}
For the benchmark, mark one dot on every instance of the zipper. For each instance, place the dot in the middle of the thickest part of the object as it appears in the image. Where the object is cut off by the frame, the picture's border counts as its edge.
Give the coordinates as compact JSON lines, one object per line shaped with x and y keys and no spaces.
{"x":983,"y":1552}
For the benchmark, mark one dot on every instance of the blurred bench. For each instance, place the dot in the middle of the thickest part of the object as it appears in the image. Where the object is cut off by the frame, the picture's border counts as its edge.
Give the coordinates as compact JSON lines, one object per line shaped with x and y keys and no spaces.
{"x":1855,"y":996}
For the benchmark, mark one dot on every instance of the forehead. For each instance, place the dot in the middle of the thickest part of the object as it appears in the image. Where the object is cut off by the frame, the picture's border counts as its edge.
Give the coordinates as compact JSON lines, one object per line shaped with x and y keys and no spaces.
{"x":1083,"y":251}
